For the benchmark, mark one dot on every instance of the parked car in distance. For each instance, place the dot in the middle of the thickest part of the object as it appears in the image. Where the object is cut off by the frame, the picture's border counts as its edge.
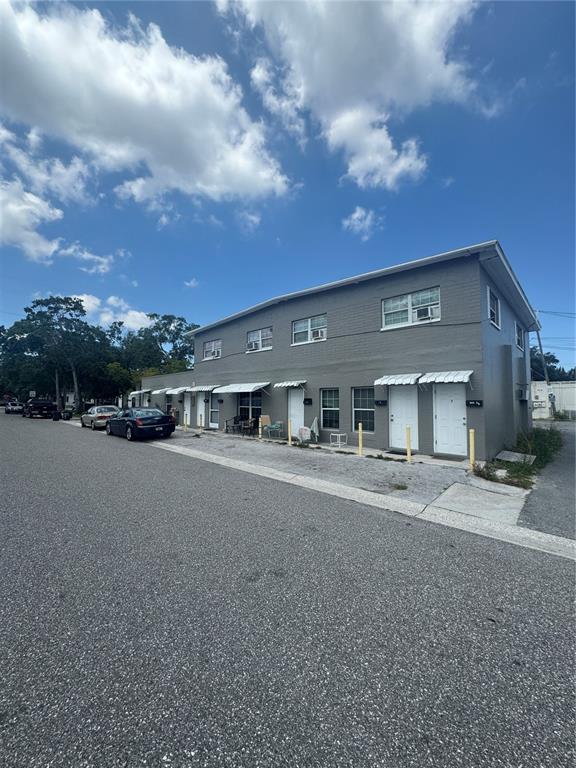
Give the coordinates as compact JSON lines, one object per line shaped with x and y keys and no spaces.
{"x":13,"y":406}
{"x":135,"y":423}
{"x":97,"y":416}
{"x":36,"y":406}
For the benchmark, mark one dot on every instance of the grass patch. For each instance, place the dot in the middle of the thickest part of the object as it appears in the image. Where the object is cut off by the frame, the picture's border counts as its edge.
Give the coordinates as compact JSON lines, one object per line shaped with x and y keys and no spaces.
{"x":539,"y":442}
{"x":399,"y":486}
{"x":344,"y":453}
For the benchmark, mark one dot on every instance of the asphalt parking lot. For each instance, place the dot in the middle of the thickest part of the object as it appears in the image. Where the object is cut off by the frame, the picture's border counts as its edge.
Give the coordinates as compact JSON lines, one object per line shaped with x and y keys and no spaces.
{"x":162,"y":611}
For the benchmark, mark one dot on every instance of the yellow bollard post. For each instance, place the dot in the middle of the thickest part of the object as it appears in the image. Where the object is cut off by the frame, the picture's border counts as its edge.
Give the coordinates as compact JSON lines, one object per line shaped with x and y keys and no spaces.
{"x":409,"y":444}
{"x":360,"y":439}
{"x":472,"y":437}
{"x":289,"y":431}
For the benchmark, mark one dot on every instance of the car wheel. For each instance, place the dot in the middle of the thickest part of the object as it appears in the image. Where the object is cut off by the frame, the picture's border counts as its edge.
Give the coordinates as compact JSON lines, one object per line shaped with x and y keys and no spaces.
{"x":129,"y":433}
{"x":93,"y":426}
{"x":108,"y":429}
{"x":82,"y":422}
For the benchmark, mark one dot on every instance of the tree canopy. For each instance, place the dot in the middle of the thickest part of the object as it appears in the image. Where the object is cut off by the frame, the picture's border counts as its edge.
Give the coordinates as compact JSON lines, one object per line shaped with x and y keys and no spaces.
{"x":54,"y":348}
{"x":555,"y":371}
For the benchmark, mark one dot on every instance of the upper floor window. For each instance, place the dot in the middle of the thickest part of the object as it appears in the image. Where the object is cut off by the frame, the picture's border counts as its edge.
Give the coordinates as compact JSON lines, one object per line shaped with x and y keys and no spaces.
{"x":493,"y":308}
{"x":411,"y":308}
{"x":260,"y":339}
{"x":519,"y":336}
{"x":212,"y":349}
{"x":308,"y":330}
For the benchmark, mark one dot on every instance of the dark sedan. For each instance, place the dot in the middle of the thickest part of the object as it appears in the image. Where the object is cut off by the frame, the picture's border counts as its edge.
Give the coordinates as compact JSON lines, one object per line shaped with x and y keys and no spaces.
{"x":135,"y":423}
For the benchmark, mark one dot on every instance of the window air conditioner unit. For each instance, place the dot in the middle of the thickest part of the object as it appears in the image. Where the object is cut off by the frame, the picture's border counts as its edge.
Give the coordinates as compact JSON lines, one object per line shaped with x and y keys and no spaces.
{"x":216,"y":353}
{"x":424,"y":313}
{"x":252,"y":345}
{"x":318,"y":333}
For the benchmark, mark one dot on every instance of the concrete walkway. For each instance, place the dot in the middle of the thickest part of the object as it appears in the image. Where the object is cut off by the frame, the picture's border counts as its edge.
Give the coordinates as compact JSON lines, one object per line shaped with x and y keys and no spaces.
{"x":551,"y":506}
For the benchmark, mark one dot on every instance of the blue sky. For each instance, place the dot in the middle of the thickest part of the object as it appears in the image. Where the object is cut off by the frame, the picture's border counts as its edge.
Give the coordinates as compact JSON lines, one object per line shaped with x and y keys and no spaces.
{"x":229,"y":153}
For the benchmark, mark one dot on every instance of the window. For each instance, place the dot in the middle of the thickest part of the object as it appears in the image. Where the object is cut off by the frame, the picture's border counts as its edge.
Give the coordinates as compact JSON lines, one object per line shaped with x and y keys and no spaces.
{"x":258,"y":340}
{"x":249,"y":405}
{"x":411,"y":308}
{"x":212,"y":349}
{"x":519,"y":336}
{"x":363,"y":408}
{"x":493,"y":308}
{"x":308,"y":330}
{"x":330,"y":407}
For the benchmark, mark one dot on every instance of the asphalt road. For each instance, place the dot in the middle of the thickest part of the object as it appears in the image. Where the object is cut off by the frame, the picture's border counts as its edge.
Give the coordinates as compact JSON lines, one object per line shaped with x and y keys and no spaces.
{"x":551,"y":507}
{"x":157,"y":611}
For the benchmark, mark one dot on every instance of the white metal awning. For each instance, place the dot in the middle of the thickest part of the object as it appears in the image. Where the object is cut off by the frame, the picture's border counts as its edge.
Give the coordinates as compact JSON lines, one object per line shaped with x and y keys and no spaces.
{"x":138,"y":392}
{"x":159,"y":391}
{"x":446,"y":377}
{"x":231,"y":388}
{"x":397,"y":378}
{"x":176,"y":390}
{"x":288,"y":384}
{"x":202,"y":388}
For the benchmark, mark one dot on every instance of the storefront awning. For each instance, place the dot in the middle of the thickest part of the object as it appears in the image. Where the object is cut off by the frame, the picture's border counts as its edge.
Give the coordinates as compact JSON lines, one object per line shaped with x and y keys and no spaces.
{"x":288,"y":384}
{"x":446,"y":377}
{"x":159,"y":391}
{"x":138,"y":392}
{"x":202,"y":388}
{"x":397,"y":378}
{"x":231,"y":388}
{"x":176,"y":390}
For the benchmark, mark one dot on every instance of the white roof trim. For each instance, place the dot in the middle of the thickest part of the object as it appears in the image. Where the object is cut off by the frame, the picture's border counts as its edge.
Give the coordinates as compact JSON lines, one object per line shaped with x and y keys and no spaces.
{"x":159,"y":391}
{"x":231,"y":388}
{"x":176,"y":390}
{"x":138,"y":392}
{"x":446,"y":377}
{"x":287,"y":384}
{"x":397,"y":378}
{"x":202,"y":388}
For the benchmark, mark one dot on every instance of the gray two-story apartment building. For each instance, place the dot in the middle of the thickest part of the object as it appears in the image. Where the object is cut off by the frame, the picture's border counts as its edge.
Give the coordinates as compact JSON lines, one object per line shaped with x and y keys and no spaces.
{"x":439,"y":344}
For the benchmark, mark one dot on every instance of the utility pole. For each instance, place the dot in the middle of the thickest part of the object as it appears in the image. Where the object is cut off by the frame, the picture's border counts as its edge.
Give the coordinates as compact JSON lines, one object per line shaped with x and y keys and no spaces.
{"x":545,"y":369}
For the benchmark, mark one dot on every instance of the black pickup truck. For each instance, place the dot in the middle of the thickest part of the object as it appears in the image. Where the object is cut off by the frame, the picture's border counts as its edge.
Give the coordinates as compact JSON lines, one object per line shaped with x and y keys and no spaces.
{"x":37,"y":407}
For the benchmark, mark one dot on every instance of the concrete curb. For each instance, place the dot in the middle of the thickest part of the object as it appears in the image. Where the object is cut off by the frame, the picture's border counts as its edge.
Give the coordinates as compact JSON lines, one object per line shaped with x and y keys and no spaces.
{"x":431,"y":513}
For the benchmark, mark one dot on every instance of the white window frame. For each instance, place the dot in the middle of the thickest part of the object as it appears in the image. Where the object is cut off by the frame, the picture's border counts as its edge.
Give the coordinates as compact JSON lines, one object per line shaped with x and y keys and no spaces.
{"x":354,"y":409}
{"x":411,"y":322}
{"x":209,"y":349}
{"x":309,"y":321}
{"x":518,"y":327}
{"x":260,"y":348}
{"x":499,"y":307}
{"x":322,"y":408}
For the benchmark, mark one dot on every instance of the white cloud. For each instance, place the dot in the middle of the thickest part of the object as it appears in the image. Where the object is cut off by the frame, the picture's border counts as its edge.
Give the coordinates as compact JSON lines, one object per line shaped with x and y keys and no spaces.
{"x":192,"y":283}
{"x":91,"y":303}
{"x":113,"y":309}
{"x":447,"y":181}
{"x":353,"y":65}
{"x":95,"y":265}
{"x":362,"y":222}
{"x":67,"y":183}
{"x":279,"y":97}
{"x":134,"y":104}
{"x":249,"y":221}
{"x":22,"y":213}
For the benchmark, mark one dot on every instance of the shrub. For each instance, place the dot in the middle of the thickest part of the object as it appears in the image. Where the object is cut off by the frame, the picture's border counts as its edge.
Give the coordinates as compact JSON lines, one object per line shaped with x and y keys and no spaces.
{"x":542,"y":443}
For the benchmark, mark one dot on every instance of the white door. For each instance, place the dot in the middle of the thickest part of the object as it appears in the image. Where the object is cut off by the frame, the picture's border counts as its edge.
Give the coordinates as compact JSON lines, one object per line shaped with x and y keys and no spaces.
{"x":403,"y":410}
{"x":200,"y":408}
{"x":214,"y":412}
{"x":296,"y":408}
{"x":450,"y":419}
{"x":187,"y":409}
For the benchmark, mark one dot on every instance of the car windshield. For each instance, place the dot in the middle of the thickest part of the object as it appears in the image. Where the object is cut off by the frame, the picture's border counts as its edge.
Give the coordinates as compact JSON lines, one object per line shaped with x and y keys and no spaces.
{"x":142,"y":412}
